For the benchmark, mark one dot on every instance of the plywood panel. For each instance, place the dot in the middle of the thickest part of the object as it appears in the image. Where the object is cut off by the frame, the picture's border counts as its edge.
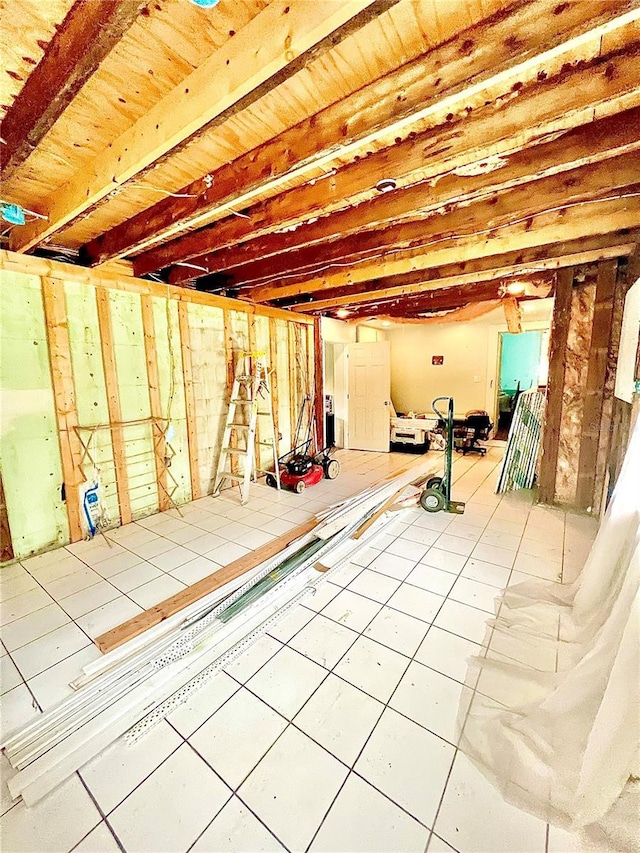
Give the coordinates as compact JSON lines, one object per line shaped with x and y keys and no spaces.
{"x":31,"y":466}
{"x":24,"y":36}
{"x":395,"y":37}
{"x":159,"y":51}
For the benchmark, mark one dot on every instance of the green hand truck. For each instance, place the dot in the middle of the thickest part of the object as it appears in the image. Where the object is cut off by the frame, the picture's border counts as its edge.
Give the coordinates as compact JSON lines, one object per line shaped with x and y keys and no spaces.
{"x":436,"y":496}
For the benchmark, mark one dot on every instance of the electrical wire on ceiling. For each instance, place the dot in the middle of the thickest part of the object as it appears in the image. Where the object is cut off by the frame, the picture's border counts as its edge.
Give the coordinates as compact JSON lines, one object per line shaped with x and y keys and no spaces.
{"x":122,"y":187}
{"x":395,"y":250}
{"x":192,"y":266}
{"x":15,"y":213}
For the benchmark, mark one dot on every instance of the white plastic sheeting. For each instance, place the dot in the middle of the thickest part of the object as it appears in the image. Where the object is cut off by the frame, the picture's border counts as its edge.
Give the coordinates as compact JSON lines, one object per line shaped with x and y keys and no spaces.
{"x":555,"y":720}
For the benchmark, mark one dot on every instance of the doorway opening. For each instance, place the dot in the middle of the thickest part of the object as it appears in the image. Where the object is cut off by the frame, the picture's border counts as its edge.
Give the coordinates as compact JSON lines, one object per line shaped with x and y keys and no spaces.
{"x":524,"y":364}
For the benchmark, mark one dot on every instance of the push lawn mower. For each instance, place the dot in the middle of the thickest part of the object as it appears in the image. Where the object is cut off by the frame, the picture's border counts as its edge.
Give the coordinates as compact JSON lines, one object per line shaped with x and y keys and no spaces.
{"x":299,"y":467}
{"x":437,"y":494}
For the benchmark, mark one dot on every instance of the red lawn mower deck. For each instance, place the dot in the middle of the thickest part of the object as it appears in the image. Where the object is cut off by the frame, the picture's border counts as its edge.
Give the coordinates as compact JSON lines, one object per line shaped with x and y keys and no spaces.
{"x":302,"y":471}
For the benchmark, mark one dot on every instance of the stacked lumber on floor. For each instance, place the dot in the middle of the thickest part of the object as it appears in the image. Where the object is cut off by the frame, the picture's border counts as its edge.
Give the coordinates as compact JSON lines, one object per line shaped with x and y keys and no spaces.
{"x":141,"y":681}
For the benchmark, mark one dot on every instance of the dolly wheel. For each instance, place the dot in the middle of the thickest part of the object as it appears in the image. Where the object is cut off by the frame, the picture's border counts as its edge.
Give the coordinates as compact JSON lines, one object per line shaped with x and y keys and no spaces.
{"x":432,"y":500}
{"x":300,"y":486}
{"x":271,"y":481}
{"x":331,"y":469}
{"x":434,"y":483}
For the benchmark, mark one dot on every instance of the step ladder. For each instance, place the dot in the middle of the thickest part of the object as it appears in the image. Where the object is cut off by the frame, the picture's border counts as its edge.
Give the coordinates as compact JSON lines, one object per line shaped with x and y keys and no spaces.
{"x":250,"y":400}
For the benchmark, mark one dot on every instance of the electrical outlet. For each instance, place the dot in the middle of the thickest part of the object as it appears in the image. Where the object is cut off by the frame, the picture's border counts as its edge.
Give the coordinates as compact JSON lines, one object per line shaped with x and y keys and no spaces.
{"x":476,"y":379}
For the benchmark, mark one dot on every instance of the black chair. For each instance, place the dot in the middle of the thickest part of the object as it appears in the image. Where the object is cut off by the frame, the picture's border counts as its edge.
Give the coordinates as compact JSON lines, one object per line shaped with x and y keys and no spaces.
{"x":475,"y":427}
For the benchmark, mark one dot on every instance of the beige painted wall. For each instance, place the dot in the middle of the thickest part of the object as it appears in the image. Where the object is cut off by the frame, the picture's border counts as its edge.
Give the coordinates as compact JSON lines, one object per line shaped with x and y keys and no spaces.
{"x":470,"y":369}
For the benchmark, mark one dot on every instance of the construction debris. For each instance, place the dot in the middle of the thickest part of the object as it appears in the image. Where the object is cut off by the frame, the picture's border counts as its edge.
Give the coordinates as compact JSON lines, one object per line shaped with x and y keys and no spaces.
{"x":520,"y":460}
{"x":138,"y":684}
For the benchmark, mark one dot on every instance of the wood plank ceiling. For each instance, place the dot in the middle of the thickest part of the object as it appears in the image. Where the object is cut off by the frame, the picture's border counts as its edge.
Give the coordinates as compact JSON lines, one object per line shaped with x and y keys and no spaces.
{"x":398,"y":159}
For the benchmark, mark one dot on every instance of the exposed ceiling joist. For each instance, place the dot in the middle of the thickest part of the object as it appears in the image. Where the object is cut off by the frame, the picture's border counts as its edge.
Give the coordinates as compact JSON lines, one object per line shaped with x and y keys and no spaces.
{"x":377,"y":254}
{"x":386,"y":107}
{"x":541,"y":230}
{"x":513,"y":315}
{"x":373,"y":303}
{"x":581,"y":146}
{"x":418,"y":284}
{"x":447,"y":297}
{"x":85,"y":37}
{"x":258,"y":53}
{"x":458,"y":315}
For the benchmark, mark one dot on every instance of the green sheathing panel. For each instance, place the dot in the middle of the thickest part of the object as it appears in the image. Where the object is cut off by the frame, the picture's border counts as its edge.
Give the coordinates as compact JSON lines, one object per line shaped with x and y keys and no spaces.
{"x":206,"y":327}
{"x":169,"y":360}
{"x":91,"y":393}
{"x":133,"y":389}
{"x":31,"y":466}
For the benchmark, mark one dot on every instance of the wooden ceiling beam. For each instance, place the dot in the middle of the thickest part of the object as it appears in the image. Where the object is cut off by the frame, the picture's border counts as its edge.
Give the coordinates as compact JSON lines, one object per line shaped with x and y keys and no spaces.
{"x":374,"y":302}
{"x":580,"y":146}
{"x":535,"y":286}
{"x":544,"y":230}
{"x":457,"y":315}
{"x":538,"y":259}
{"x":512,"y":315}
{"x":84,"y":38}
{"x":384,"y":106}
{"x":376,"y":254}
{"x":448,"y":297}
{"x":406,"y":312}
{"x":526,"y":119}
{"x":255,"y":60}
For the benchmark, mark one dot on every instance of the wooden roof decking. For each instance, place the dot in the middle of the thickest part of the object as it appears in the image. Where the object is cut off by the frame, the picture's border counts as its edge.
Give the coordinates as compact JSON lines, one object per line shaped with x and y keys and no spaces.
{"x":510,"y":130}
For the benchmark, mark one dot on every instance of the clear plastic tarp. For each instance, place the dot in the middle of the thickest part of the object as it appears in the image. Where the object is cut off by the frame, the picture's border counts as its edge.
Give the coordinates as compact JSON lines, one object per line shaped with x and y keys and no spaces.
{"x":555,"y":718}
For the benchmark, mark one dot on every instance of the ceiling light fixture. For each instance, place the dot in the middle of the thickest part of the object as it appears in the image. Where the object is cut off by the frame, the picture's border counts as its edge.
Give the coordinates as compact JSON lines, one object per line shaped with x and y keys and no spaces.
{"x":516,"y":288}
{"x":386,"y":185}
{"x":342,"y":312}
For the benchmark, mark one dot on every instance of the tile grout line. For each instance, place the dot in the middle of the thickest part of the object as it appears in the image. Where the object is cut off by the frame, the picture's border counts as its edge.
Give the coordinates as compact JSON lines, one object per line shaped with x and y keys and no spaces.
{"x":357,"y":634}
{"x":102,"y":814}
{"x":386,"y":707}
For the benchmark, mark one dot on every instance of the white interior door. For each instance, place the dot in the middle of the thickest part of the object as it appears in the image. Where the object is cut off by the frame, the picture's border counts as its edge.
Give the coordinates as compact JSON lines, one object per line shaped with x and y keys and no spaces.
{"x":369,"y":395}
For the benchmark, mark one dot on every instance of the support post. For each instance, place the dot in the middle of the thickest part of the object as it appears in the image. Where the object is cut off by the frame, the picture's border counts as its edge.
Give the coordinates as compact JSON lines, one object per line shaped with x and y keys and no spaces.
{"x":155,"y":404}
{"x":231,"y":373}
{"x":273,"y":380}
{"x":55,"y":313}
{"x":592,"y":421}
{"x":293,"y":373}
{"x":555,"y":384}
{"x":318,"y":371}
{"x":189,"y":399}
{"x":113,"y":404}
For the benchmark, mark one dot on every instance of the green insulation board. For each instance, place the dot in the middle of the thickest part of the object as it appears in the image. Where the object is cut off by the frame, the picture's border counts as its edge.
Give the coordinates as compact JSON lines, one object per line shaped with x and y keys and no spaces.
{"x":30,"y":453}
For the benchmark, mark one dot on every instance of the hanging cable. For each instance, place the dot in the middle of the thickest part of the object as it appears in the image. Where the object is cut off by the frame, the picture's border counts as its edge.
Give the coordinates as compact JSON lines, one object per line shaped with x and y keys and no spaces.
{"x":395,"y":250}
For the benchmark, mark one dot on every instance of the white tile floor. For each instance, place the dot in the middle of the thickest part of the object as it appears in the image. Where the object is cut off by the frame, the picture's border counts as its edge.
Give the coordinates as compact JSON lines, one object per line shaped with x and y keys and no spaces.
{"x":334,"y":733}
